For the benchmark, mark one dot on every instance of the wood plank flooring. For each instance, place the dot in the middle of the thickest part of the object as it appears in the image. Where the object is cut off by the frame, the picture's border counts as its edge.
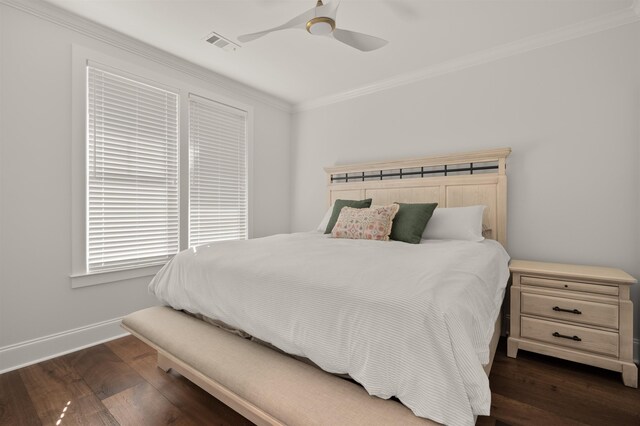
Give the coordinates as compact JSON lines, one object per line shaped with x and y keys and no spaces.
{"x":118,"y":383}
{"x":539,"y":390}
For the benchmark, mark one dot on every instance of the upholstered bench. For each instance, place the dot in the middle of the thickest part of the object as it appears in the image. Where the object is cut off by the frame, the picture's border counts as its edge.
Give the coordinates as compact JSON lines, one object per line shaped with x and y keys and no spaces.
{"x":265,"y":386}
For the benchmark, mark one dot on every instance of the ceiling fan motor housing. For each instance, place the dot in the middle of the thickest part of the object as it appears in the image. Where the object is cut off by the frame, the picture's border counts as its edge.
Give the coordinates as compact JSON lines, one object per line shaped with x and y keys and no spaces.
{"x":321,"y":25}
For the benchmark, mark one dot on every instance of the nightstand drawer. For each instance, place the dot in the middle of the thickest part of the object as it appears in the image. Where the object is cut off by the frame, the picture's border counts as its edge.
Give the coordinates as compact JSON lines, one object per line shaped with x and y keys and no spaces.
{"x":572,"y":336}
{"x":570,"y":285}
{"x":581,"y":311}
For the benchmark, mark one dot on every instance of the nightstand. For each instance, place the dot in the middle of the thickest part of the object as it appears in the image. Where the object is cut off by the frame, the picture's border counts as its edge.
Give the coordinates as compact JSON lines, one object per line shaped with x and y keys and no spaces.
{"x":580,"y":313}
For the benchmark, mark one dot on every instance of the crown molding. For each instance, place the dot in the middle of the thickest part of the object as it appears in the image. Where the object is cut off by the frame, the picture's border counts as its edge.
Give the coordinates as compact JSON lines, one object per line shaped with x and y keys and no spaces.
{"x":109,"y":36}
{"x":69,"y":20}
{"x":595,"y":25}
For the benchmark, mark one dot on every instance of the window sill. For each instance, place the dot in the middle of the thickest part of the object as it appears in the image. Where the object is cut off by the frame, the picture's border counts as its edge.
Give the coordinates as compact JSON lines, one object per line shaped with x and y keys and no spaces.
{"x":86,"y":280}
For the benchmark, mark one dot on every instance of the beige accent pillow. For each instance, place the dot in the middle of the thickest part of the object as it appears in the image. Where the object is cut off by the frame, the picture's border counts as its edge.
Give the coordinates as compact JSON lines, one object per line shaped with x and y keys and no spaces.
{"x":365,"y":224}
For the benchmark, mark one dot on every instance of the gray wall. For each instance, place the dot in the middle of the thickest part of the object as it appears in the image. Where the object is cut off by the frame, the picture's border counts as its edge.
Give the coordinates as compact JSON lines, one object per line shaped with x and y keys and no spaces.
{"x":36,"y":298}
{"x":569,"y":111}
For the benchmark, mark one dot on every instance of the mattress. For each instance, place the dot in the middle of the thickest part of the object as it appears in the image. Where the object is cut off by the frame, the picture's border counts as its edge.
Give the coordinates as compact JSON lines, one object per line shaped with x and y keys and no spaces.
{"x":403,"y":320}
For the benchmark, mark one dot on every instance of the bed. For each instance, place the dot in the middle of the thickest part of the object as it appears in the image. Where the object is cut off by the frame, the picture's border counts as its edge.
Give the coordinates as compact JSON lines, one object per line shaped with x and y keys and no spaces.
{"x":424,"y":347}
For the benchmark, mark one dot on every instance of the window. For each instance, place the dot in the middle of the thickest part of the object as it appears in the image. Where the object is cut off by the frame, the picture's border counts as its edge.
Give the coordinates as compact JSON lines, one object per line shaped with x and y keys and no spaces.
{"x":132,"y":173}
{"x":217,"y":172}
{"x":159,"y":164}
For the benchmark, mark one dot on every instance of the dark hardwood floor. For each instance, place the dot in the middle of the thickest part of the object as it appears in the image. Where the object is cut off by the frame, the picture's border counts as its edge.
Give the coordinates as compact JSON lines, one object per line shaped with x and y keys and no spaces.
{"x":540,"y":390}
{"x":118,"y":383}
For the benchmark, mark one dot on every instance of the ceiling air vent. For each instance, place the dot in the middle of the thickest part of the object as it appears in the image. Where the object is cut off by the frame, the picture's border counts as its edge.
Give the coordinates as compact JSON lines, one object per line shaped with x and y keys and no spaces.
{"x":221,"y":42}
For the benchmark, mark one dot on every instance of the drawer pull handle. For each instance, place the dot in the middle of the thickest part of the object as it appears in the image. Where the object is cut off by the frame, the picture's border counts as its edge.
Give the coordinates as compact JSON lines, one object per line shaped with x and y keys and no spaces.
{"x":576,"y":338}
{"x":571,"y":311}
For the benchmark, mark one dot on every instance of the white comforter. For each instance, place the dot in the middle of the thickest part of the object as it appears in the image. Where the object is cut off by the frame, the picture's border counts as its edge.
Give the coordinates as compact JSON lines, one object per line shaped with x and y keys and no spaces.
{"x":407,"y":320}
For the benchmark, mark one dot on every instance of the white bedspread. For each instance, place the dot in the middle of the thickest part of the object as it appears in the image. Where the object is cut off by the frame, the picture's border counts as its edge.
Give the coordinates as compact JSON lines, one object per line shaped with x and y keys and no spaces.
{"x":407,"y":320}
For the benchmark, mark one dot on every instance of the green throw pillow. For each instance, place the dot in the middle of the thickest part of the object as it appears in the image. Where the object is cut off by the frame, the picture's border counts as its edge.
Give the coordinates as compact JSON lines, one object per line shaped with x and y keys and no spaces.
{"x":410,"y":221}
{"x":339,"y":204}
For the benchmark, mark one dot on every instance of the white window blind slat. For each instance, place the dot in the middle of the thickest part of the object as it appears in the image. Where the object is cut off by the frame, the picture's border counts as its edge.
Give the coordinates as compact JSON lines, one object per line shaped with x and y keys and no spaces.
{"x":119,"y":115}
{"x":124,"y":102}
{"x":125,"y":229}
{"x":121,"y":139}
{"x":118,"y":151}
{"x":218,"y":207}
{"x":132,"y":159}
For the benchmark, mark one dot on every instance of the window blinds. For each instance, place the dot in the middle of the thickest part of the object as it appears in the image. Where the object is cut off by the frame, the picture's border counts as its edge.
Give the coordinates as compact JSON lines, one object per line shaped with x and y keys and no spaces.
{"x":132,"y":159}
{"x":217,"y":172}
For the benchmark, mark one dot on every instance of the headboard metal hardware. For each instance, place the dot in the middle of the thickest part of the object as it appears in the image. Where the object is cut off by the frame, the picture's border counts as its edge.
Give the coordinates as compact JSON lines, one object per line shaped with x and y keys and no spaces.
{"x":381,"y":175}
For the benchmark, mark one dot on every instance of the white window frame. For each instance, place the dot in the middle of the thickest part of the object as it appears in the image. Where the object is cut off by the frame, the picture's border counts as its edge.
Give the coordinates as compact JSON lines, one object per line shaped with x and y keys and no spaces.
{"x":145,"y":70}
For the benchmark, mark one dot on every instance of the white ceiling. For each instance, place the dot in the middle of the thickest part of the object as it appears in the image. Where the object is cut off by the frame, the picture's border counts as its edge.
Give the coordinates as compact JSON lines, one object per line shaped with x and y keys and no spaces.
{"x":297,"y":66}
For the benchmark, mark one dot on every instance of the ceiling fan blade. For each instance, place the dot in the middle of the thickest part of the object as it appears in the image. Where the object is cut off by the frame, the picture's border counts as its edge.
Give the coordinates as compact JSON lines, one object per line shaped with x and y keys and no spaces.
{"x":298,"y":22}
{"x":363,"y":42}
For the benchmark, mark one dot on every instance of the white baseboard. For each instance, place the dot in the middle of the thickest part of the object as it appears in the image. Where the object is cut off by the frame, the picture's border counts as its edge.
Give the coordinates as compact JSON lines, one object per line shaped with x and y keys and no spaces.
{"x":33,"y":351}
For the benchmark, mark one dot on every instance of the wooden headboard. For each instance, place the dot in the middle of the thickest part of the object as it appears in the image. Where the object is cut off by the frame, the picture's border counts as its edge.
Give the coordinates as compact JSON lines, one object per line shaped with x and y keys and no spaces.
{"x":450,"y":180}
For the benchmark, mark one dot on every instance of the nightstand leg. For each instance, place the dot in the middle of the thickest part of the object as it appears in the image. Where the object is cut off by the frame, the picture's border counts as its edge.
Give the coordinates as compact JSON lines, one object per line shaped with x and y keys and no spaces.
{"x":512,"y":348}
{"x":630,"y":375}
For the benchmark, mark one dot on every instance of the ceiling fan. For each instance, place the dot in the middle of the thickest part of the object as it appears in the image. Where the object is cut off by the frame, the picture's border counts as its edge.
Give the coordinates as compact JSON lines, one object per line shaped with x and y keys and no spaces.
{"x":321,"y":21}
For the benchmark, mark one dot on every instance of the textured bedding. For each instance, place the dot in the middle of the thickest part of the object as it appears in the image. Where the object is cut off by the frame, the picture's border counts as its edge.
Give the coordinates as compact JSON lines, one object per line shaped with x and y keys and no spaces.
{"x":407,"y":320}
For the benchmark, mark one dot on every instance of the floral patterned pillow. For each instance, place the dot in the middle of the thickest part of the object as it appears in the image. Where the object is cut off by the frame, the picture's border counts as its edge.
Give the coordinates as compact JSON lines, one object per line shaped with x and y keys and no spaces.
{"x":365,"y":224}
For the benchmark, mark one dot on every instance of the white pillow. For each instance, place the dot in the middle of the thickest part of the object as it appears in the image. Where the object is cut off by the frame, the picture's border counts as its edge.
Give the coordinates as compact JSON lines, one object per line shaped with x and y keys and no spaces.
{"x":325,"y":220}
{"x":455,"y":223}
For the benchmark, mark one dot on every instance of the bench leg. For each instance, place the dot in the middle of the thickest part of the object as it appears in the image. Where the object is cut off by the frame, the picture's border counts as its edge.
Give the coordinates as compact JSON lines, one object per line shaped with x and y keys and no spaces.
{"x":163,"y":363}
